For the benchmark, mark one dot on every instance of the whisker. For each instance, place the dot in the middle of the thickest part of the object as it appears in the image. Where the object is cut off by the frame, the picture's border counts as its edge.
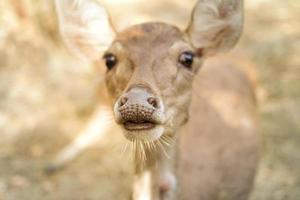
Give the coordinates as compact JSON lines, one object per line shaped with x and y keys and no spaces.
{"x":125,"y":148}
{"x":143,"y":151}
{"x":152,"y":148}
{"x":133,"y":146}
{"x":165,"y":141}
{"x":163,"y":149}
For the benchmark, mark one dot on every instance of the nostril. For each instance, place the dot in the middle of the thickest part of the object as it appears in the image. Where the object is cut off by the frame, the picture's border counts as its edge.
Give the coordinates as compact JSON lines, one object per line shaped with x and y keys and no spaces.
{"x":123,"y":101}
{"x":152,"y":101}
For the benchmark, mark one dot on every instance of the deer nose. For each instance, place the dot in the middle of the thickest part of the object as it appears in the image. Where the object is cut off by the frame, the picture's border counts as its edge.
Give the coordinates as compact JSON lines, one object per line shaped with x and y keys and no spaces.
{"x":138,"y":105}
{"x":151,"y":100}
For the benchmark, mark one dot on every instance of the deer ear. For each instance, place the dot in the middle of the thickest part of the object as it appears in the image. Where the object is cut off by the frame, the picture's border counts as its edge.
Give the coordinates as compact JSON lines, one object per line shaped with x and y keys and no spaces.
{"x":85,"y":27}
{"x":216,"y":25}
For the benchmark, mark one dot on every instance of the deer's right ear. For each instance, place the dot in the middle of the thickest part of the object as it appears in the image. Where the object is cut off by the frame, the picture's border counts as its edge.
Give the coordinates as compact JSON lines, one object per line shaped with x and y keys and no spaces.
{"x":85,"y":27}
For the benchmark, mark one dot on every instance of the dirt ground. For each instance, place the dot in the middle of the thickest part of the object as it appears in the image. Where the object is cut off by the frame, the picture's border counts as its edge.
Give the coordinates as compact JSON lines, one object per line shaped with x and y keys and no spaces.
{"x":46,"y":96}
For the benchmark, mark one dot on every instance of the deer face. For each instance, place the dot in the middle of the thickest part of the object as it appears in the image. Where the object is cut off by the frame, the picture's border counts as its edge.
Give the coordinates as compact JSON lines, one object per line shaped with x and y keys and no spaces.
{"x":151,"y":66}
{"x":150,"y":69}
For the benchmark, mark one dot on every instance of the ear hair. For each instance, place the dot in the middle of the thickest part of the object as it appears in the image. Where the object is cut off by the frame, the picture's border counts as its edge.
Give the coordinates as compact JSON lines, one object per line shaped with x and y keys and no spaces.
{"x":216,"y":25}
{"x":85,"y":27}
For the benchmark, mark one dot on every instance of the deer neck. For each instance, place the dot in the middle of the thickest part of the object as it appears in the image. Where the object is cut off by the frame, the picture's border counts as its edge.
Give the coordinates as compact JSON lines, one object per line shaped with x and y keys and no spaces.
{"x":157,"y":178}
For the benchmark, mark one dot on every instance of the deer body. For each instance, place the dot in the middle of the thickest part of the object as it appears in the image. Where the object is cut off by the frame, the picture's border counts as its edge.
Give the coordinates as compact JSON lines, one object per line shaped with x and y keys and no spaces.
{"x":219,"y":149}
{"x":193,"y":134}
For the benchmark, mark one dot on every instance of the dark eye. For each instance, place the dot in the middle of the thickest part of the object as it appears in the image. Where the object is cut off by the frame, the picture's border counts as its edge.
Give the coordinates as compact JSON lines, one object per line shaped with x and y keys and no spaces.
{"x":110,"y":60}
{"x":186,"y":59}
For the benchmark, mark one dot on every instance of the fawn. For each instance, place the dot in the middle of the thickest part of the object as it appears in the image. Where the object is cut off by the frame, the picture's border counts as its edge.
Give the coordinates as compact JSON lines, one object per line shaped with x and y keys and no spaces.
{"x":194,"y":135}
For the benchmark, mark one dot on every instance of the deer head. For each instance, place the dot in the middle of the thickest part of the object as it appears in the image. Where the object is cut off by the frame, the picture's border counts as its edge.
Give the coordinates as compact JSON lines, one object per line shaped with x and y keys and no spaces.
{"x":150,"y":66}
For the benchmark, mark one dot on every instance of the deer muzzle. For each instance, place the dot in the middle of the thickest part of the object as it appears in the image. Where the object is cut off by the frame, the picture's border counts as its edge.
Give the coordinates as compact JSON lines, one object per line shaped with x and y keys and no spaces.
{"x":139,"y":110}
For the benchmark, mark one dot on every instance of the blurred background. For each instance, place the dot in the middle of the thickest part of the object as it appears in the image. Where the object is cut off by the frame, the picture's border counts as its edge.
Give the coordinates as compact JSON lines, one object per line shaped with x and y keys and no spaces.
{"x":47,"y":95}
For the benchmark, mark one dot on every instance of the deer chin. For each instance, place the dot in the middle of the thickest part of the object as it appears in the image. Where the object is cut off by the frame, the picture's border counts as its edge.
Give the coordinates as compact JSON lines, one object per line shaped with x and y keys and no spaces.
{"x":147,"y":132}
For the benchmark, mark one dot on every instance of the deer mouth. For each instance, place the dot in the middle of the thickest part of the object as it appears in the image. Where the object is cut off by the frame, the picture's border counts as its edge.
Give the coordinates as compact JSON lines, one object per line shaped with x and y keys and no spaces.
{"x":139,"y":126}
{"x":146,"y":130}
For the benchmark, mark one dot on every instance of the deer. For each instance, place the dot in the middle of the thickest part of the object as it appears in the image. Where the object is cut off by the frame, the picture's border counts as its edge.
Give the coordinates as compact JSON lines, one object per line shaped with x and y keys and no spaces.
{"x":193,"y":127}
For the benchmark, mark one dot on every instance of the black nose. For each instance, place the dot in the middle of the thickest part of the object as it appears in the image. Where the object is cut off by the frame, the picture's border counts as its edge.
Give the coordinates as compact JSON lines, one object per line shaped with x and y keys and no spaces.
{"x":123,"y":101}
{"x":153,"y":101}
{"x":137,"y":105}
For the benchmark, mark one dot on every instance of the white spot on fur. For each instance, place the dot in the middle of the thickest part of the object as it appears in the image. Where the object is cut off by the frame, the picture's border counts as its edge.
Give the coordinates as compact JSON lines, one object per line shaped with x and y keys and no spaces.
{"x":142,"y":187}
{"x":147,"y":135}
{"x":168,"y":180}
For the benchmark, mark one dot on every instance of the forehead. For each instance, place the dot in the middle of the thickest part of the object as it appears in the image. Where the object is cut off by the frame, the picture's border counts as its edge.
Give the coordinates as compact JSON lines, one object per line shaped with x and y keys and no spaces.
{"x":149,"y":37}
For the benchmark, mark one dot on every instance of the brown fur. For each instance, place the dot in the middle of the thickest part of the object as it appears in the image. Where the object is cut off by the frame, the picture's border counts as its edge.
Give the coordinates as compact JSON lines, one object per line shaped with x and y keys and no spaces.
{"x":222,"y":127}
{"x":218,"y":146}
{"x":153,"y":62}
{"x":207,"y":121}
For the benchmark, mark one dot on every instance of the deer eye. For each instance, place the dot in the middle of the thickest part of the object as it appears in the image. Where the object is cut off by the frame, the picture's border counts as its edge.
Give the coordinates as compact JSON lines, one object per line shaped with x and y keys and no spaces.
{"x":186,"y":59}
{"x":110,"y":60}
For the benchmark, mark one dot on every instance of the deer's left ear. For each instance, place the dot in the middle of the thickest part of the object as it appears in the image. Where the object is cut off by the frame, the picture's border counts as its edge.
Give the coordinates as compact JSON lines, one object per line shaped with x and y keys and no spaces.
{"x":216,"y":25}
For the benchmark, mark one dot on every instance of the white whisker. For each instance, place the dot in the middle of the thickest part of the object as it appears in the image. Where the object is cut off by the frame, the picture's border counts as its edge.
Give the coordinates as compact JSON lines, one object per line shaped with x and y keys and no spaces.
{"x":125,"y":148}
{"x":163,"y":149}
